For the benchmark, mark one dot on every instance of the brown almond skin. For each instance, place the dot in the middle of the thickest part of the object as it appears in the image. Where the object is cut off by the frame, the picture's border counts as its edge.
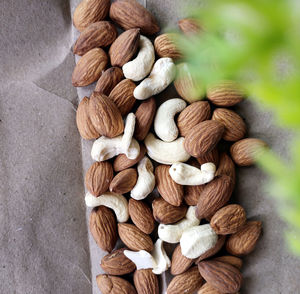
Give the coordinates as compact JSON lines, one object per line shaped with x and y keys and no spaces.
{"x":98,"y":34}
{"x":180,"y":263}
{"x":226,"y":167}
{"x":124,"y":181}
{"x":208,"y":289}
{"x":122,"y":96}
{"x":103,"y":227}
{"x":228,"y":220}
{"x":98,"y":177}
{"x":203,"y":138}
{"x":105,"y":116}
{"x":141,"y":215}
{"x":235,"y":127}
{"x":233,"y":260}
{"x":144,"y":117}
{"x":244,"y":241}
{"x":130,"y":14}
{"x":165,"y":213}
{"x":167,"y":188}
{"x":189,"y":26}
{"x":186,"y":283}
{"x":83,"y":121}
{"x":192,"y":194}
{"x":122,"y":162}
{"x":89,"y":67}
{"x":214,"y":196}
{"x":192,"y":115}
{"x":212,"y":156}
{"x":224,"y":93}
{"x":145,"y":282}
{"x":108,"y":80}
{"x":90,"y":11}
{"x":134,"y":238}
{"x":245,"y":151}
{"x":117,"y":264}
{"x":114,"y":285}
{"x":222,"y":276}
{"x":165,"y":47}
{"x":124,"y":47}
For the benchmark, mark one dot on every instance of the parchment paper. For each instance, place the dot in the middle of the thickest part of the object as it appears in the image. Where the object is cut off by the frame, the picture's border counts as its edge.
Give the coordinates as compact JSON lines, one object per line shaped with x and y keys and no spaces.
{"x":44,"y":242}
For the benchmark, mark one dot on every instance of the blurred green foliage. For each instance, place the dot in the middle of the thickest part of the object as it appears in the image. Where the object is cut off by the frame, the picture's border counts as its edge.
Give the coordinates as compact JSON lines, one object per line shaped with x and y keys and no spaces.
{"x":257,"y":42}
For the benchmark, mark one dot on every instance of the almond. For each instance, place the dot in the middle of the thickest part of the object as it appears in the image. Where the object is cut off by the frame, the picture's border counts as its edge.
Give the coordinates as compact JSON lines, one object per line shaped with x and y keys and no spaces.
{"x":134,"y":238}
{"x":225,"y":93}
{"x":168,"y":189}
{"x":122,"y":161}
{"x":222,"y":276}
{"x":180,"y":263}
{"x":228,"y":219}
{"x":203,"y":138}
{"x":186,"y":283}
{"x":105,"y":116}
{"x":114,"y":285}
{"x":208,"y":289}
{"x":83,"y":120}
{"x":192,"y":194}
{"x":233,"y":260}
{"x":192,"y":115}
{"x":144,"y":118}
{"x":189,"y":26}
{"x":165,"y":213}
{"x":98,"y":34}
{"x":108,"y":80}
{"x":124,"y":181}
{"x":122,"y":96}
{"x":90,"y":11}
{"x":165,"y":46}
{"x":117,"y":264}
{"x":145,"y":282}
{"x":130,"y":14}
{"x":103,"y":228}
{"x":124,"y":47}
{"x":235,"y":128}
{"x":246,"y":151}
{"x":226,"y":167}
{"x":98,"y":177}
{"x":214,"y":196}
{"x":141,"y":215}
{"x":212,"y":156}
{"x":244,"y":241}
{"x":89,"y":67}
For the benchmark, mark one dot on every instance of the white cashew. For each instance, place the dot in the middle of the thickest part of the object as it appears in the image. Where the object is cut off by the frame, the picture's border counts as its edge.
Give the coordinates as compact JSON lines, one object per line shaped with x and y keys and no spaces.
{"x":185,"y":174}
{"x":164,"y":124}
{"x":172,"y":233}
{"x":140,"y":67}
{"x":166,"y":152}
{"x":128,"y":134}
{"x":195,"y":241}
{"x":146,"y":180}
{"x":158,"y":260}
{"x":117,"y":202}
{"x":162,"y":75}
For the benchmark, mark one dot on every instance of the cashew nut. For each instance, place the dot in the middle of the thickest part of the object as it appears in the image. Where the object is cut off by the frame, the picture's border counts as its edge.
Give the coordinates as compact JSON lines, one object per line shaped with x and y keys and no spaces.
{"x":166,"y":152}
{"x":164,"y":124}
{"x":195,"y":241}
{"x":128,"y":133}
{"x":140,"y":67}
{"x":161,"y":76}
{"x":185,"y":174}
{"x":146,"y":180}
{"x":172,"y":233}
{"x":158,"y":260}
{"x":116,"y":202}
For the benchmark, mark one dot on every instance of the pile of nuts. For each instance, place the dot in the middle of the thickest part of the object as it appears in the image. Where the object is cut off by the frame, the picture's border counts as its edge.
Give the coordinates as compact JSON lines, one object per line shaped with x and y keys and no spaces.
{"x":193,"y":178}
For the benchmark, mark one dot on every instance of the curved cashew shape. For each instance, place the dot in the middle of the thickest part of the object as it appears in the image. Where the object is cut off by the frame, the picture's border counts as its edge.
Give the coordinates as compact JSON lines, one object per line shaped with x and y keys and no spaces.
{"x":146,"y":180}
{"x":164,"y":124}
{"x":158,"y":260}
{"x":162,"y":75}
{"x":195,"y":241}
{"x":116,"y":202}
{"x":140,"y":67}
{"x":185,"y":174}
{"x":173,"y":233}
{"x":128,"y":134}
{"x":166,"y":152}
